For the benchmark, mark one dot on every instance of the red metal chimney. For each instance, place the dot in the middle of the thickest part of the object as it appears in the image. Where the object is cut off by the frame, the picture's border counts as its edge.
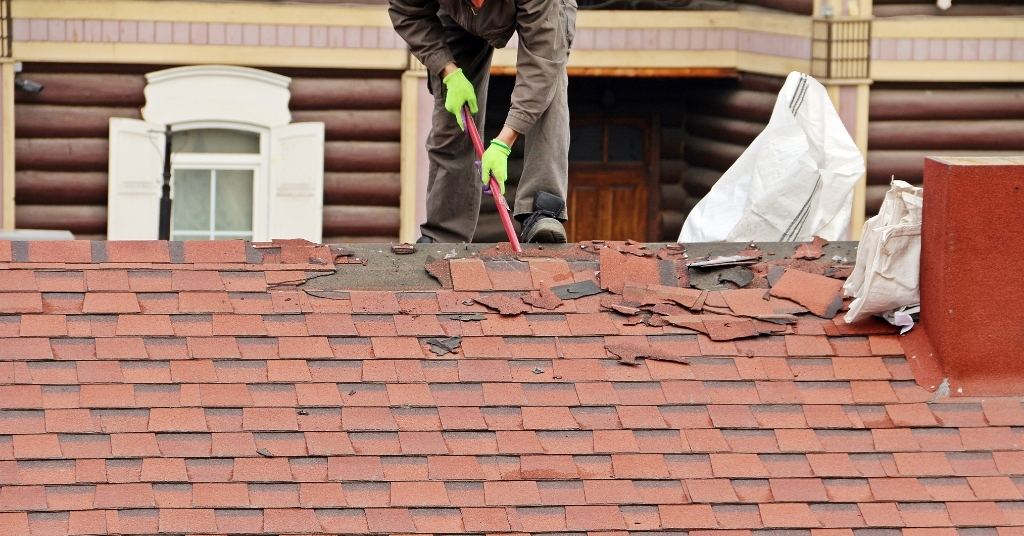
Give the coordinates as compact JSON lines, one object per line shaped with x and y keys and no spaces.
{"x":972,"y":287}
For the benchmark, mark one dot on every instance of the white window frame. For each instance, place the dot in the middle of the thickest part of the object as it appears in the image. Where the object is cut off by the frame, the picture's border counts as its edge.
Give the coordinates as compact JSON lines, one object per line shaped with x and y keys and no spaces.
{"x":258,"y":163}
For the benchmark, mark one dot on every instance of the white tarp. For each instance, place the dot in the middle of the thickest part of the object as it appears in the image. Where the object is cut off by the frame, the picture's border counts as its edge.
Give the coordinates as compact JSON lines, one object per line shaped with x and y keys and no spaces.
{"x":793,"y":182}
{"x":887,"y":273}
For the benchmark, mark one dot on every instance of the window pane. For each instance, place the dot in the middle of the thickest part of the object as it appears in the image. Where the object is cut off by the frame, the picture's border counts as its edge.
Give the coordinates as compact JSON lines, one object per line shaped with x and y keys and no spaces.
{"x":215,"y":140}
{"x":585,"y":143}
{"x":234,"y":200}
{"x":625,"y":144}
{"x":190,"y":210}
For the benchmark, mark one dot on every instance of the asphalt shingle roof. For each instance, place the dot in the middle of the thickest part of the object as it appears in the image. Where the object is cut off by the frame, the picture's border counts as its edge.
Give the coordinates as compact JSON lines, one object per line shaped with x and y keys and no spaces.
{"x":201,"y":388}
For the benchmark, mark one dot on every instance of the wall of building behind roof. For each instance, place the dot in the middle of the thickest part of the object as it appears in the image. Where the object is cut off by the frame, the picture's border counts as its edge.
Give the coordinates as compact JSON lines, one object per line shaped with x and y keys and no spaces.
{"x":61,"y":149}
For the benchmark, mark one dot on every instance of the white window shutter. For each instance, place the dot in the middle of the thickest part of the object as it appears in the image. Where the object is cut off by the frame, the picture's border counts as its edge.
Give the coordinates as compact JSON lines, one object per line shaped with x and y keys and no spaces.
{"x":135,"y":177}
{"x":297,"y":181}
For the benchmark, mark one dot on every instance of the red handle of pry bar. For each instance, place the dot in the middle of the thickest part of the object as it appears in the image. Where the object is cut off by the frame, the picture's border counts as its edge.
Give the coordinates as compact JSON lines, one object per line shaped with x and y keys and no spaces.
{"x":499,"y":200}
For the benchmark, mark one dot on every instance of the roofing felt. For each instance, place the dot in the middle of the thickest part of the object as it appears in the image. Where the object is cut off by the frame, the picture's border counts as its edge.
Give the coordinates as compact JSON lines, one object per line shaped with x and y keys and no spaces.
{"x":231,"y":388}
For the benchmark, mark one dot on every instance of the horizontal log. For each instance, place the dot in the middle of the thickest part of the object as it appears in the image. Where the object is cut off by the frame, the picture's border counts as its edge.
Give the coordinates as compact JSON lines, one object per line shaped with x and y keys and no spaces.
{"x":85,"y":89}
{"x":346,"y":93}
{"x":671,"y":224}
{"x":698,"y":181}
{"x":949,"y":134}
{"x":672,"y":170}
{"x":761,"y":83}
{"x":936,"y":104}
{"x":61,"y":154}
{"x":954,"y":11}
{"x":348,"y":220}
{"x":957,"y":2}
{"x":737,"y":103}
{"x":79,"y":219}
{"x":803,"y":7}
{"x":874,"y":195}
{"x":712,"y":154}
{"x":362,"y":156}
{"x":909,"y":165}
{"x":355,"y":125}
{"x":724,"y":129}
{"x":672,"y":196}
{"x":60,"y":188}
{"x":52,"y":121}
{"x":672,"y":142}
{"x":362,"y":188}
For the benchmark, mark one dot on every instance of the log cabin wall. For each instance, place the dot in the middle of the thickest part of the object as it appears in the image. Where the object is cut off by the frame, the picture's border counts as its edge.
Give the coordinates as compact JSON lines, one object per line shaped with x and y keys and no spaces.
{"x":61,"y":146}
{"x":801,"y":7}
{"x":960,"y":8}
{"x":911,"y":121}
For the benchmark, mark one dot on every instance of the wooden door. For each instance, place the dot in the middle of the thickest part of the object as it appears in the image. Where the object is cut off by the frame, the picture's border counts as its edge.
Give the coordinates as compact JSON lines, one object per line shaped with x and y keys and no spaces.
{"x":611,"y":169}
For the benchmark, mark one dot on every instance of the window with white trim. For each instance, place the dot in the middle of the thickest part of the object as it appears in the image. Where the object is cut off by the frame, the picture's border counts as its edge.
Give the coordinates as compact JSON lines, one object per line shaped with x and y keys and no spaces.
{"x":213,"y":177}
{"x":239,"y":167}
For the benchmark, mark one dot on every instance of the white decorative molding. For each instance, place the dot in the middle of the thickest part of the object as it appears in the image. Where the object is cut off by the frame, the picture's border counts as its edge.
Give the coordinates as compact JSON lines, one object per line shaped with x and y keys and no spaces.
{"x":217,"y":93}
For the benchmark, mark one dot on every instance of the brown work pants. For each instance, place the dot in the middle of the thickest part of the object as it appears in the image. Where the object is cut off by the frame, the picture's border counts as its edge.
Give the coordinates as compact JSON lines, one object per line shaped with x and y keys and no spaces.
{"x":453,"y":186}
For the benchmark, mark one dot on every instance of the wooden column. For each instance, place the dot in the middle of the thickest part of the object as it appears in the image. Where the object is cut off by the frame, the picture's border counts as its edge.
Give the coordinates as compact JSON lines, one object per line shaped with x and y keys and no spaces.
{"x":7,"y":144}
{"x":850,"y":97}
{"x":417,"y":105}
{"x":841,"y":61}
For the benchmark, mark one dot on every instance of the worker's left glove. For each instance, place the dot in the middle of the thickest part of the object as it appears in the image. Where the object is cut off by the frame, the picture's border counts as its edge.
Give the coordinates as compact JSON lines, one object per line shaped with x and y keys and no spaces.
{"x":495,"y":162}
{"x":460,"y":93}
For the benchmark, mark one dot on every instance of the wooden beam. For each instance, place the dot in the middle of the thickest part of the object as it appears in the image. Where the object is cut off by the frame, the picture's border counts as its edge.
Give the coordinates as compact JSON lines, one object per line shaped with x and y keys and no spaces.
{"x":637,"y":72}
{"x":7,"y":185}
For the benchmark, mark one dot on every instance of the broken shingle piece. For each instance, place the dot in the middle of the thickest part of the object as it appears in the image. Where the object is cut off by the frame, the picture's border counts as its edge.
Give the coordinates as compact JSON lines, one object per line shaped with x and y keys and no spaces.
{"x":444,"y":346}
{"x":811,"y":251}
{"x":546,"y":299}
{"x":629,"y":352}
{"x":819,"y":294}
{"x":733,"y":260}
{"x":748,"y":302}
{"x":687,"y":297}
{"x":737,"y":275}
{"x":576,"y":290}
{"x":505,"y":305}
{"x":724,"y":328}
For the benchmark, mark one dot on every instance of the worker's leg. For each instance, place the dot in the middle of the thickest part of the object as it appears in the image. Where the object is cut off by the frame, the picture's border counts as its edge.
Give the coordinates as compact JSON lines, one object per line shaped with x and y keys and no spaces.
{"x":453,"y":187}
{"x":546,"y":155}
{"x":543,"y":187}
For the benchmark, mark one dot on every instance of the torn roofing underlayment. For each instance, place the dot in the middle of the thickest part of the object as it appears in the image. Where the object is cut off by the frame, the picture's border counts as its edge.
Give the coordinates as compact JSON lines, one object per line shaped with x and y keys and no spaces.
{"x":230,"y":388}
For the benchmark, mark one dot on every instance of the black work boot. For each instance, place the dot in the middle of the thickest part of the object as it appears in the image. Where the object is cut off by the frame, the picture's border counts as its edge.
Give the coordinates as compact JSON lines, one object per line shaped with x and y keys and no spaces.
{"x":542,"y":225}
{"x":424,"y":239}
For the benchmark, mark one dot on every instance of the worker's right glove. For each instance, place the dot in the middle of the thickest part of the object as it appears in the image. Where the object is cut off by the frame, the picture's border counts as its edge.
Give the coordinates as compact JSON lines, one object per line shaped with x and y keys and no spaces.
{"x":460,"y":92}
{"x":495,"y":163}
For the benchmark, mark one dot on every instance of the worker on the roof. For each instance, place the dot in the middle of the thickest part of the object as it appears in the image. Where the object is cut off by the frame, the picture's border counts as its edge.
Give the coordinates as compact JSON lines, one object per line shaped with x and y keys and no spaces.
{"x":455,"y":39}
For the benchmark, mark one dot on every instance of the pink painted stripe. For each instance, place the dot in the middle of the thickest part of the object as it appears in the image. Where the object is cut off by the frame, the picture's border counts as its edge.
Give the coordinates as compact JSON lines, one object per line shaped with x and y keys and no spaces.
{"x":898,"y":49}
{"x":215,"y":33}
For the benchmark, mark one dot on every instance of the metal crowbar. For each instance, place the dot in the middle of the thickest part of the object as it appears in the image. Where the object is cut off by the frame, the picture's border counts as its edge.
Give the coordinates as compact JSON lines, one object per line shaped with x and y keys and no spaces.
{"x":493,"y":186}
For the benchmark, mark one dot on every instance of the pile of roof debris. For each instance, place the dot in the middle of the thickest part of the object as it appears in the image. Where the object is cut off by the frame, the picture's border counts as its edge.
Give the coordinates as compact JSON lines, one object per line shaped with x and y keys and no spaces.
{"x":749,"y":297}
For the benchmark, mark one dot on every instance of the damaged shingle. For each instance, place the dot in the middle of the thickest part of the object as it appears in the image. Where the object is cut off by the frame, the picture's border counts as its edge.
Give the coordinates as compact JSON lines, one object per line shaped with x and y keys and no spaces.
{"x":576,"y":290}
{"x":546,"y":298}
{"x":811,"y":251}
{"x":444,"y":346}
{"x":505,"y":305}
{"x":819,"y":294}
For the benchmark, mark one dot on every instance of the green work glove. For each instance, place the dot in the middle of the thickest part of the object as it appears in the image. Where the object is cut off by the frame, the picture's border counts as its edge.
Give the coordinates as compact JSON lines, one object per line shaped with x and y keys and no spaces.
{"x":460,"y":92}
{"x":495,"y":162}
